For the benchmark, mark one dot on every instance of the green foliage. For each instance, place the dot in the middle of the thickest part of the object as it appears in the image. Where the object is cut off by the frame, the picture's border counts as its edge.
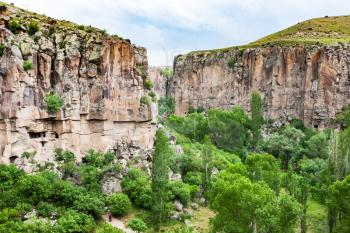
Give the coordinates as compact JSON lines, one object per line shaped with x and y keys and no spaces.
{"x":343,"y":117}
{"x":145,"y":100}
{"x":167,"y":72}
{"x":64,"y":155}
{"x":137,"y":186}
{"x":257,"y":117}
{"x":74,"y":222}
{"x":149,"y":84}
{"x":166,"y":106}
{"x":107,"y":228}
{"x":14,"y":26}
{"x":2,"y":49}
{"x":264,"y":167}
{"x":285,"y":145}
{"x":226,"y":130}
{"x":180,"y":191}
{"x":46,"y":210}
{"x":54,"y":102}
{"x":243,"y":206}
{"x":317,"y":146}
{"x":28,"y":155}
{"x":27,"y":65}
{"x":119,"y":204}
{"x":232,"y":62}
{"x":137,"y":225}
{"x":160,"y":178}
{"x":33,"y":28}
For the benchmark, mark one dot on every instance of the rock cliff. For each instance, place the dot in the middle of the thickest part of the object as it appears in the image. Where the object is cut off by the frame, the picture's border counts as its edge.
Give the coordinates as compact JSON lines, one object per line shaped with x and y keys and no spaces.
{"x":309,"y":82}
{"x":99,"y":77}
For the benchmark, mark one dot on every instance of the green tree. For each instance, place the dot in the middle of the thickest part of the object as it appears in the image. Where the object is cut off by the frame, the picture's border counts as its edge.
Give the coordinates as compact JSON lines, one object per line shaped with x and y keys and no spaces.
{"x":119,"y":204}
{"x":264,"y":167}
{"x":207,"y":157}
{"x":137,"y":186}
{"x":244,"y":206}
{"x":317,"y":146}
{"x":137,"y":225}
{"x":160,"y":178}
{"x":257,"y":117}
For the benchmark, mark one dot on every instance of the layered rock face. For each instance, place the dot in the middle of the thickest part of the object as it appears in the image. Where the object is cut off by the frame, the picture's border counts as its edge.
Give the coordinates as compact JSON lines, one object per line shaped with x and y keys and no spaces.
{"x":99,"y":77}
{"x":160,"y":82}
{"x":310,"y":83}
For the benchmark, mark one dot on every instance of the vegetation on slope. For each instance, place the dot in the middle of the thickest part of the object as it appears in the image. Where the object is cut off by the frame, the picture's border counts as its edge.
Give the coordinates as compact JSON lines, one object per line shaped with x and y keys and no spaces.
{"x":318,"y":31}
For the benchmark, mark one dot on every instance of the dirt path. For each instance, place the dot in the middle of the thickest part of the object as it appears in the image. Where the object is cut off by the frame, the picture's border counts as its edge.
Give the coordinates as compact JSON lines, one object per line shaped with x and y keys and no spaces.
{"x":118,"y":224}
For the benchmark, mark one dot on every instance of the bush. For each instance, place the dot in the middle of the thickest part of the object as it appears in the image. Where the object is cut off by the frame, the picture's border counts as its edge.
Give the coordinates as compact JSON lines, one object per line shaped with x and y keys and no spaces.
{"x":119,"y":204}
{"x":180,"y":191}
{"x":64,"y":155}
{"x":166,"y":106}
{"x":54,"y":102}
{"x":137,"y":186}
{"x":72,"y":221}
{"x":137,"y":225}
{"x":107,"y":228}
{"x":33,"y":28}
{"x":145,"y":100}
{"x":14,"y":26}
{"x":27,"y":65}
{"x":193,"y":178}
{"x":231,"y":63}
{"x":2,"y":48}
{"x":46,"y":210}
{"x":153,"y":96}
{"x":149,"y":84}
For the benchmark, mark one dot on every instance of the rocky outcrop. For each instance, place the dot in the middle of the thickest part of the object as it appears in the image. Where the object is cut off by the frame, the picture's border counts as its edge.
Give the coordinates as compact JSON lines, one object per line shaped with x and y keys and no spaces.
{"x":99,"y":77}
{"x":159,"y":81}
{"x":311,"y":83}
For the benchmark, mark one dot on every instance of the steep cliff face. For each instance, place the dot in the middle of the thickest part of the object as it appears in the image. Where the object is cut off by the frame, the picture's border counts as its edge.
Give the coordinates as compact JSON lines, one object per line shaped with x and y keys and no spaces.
{"x":100,"y":78}
{"x":311,"y":83}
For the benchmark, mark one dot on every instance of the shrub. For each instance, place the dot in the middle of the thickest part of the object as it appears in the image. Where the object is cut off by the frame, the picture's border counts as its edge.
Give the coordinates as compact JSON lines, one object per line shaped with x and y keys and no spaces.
{"x":72,"y":221}
{"x":14,"y":26}
{"x":149,"y":84}
{"x":193,"y":178}
{"x":137,"y":225}
{"x":231,"y":63}
{"x":145,"y":100}
{"x":152,"y":95}
{"x":64,"y":155}
{"x":28,"y":155}
{"x":33,"y":28}
{"x":45,"y":209}
{"x":166,"y":106}
{"x":180,"y":191}
{"x":137,"y":186}
{"x":167,"y":72}
{"x":54,"y":102}
{"x":2,"y":48}
{"x":119,"y":204}
{"x":107,"y":228}
{"x":27,"y":65}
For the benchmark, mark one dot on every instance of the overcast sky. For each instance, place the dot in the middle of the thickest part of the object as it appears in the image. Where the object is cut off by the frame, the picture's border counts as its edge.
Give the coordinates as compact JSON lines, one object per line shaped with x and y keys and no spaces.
{"x":170,"y":27}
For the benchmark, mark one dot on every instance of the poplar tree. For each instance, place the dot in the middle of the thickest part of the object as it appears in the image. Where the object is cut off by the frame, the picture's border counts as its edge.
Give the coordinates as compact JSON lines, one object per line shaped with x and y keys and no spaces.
{"x":160,"y":178}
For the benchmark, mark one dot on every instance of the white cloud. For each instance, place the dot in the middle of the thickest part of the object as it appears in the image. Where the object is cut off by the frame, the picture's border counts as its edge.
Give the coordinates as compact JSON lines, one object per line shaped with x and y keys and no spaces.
{"x":176,"y":25}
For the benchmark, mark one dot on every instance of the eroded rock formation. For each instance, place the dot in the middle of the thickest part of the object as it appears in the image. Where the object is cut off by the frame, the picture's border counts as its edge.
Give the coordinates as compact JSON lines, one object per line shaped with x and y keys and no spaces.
{"x":100,"y":78}
{"x":311,"y":83}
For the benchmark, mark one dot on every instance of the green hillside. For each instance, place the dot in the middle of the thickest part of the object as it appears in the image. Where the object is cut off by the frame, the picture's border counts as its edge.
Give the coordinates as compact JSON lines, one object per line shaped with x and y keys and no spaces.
{"x":318,"y":31}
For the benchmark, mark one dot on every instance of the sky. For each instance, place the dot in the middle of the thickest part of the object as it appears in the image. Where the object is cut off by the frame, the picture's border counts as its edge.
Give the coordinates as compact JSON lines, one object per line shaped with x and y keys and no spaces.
{"x":171,"y":27}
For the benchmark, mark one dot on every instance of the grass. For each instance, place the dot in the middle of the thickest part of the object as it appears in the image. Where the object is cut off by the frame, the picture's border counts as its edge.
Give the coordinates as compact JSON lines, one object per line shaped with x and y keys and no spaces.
{"x":318,"y":31}
{"x":316,"y":217}
{"x":201,"y":218}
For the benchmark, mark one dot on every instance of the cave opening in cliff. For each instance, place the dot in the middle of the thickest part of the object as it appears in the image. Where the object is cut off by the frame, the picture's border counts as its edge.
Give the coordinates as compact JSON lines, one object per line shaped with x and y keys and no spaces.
{"x":13,"y":159}
{"x":36,"y":134}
